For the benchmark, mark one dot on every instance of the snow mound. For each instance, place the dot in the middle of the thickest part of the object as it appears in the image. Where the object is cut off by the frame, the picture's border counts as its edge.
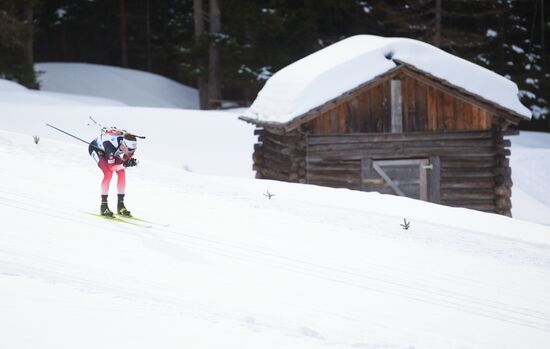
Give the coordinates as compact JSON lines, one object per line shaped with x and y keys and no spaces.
{"x":311,"y":268}
{"x":208,"y":142}
{"x":336,"y":69}
{"x":13,"y":94}
{"x":530,"y":162}
{"x":128,"y":86}
{"x":7,"y":85}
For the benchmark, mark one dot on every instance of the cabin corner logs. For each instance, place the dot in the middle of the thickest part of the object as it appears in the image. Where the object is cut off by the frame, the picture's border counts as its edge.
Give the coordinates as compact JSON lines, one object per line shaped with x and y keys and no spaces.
{"x":405,"y":134}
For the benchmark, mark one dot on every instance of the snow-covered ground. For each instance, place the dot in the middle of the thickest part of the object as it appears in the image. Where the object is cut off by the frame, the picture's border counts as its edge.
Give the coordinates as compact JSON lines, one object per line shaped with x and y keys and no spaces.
{"x":127,"y":86}
{"x":312,"y":267}
{"x":530,"y":162}
{"x":208,"y":142}
{"x":12,"y":93}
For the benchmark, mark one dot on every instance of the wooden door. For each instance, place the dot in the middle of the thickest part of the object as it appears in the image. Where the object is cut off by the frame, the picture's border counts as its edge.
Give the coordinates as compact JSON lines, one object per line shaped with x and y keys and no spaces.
{"x":403,"y":177}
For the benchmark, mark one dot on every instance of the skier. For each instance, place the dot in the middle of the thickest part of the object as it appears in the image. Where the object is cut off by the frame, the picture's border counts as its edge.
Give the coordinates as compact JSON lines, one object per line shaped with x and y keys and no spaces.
{"x":113,"y":151}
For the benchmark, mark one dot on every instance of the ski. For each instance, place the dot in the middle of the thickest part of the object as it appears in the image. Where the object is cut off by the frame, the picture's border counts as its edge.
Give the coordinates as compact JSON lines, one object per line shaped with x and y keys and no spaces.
{"x":141,"y":220}
{"x":122,"y":220}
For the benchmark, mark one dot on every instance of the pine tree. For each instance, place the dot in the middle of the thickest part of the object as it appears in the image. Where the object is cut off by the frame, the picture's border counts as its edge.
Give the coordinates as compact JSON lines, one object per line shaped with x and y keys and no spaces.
{"x":518,"y":52}
{"x":16,"y":42}
{"x":457,"y":26}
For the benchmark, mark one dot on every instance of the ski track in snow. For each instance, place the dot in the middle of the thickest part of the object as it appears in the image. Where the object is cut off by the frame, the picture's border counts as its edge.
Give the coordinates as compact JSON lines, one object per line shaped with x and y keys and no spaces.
{"x":372,"y":279}
{"x":194,"y":244}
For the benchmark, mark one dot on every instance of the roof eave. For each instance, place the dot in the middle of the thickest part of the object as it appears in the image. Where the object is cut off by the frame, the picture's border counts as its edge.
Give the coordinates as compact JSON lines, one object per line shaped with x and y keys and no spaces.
{"x":288,"y":126}
{"x":262,"y":123}
{"x":481,"y":99}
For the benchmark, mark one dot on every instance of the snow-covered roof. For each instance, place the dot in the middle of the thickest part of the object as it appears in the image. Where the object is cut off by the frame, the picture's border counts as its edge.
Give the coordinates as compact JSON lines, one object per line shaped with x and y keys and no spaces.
{"x":343,"y":66}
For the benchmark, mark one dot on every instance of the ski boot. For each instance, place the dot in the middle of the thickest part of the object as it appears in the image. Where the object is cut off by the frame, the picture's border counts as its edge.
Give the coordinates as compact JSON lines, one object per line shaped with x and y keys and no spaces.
{"x":121,"y":209}
{"x":104,"y":208}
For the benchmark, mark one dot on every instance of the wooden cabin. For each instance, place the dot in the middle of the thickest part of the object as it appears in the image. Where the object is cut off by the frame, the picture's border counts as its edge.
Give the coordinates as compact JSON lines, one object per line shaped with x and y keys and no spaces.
{"x":405,"y":132}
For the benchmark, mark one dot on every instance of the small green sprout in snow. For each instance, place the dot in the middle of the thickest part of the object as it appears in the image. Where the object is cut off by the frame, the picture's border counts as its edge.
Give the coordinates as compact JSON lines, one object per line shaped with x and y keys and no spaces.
{"x":269,"y":195}
{"x":406,"y":225}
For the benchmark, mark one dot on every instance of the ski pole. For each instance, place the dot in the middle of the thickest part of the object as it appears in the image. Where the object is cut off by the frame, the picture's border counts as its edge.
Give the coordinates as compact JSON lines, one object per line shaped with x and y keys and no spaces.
{"x":96,"y":123}
{"x":68,"y":134}
{"x":105,"y":128}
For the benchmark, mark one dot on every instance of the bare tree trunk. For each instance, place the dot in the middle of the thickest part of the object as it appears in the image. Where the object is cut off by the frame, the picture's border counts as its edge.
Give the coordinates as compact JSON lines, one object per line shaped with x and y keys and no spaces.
{"x":437,"y":36}
{"x":202,"y":84}
{"x":214,"y":93}
{"x":28,"y":41}
{"x":542,"y":27}
{"x":148,"y":34}
{"x":123,"y":34}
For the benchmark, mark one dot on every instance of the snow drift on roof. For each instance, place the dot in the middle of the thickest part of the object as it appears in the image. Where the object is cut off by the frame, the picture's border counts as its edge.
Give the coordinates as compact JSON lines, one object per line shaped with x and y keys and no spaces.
{"x":334,"y":70}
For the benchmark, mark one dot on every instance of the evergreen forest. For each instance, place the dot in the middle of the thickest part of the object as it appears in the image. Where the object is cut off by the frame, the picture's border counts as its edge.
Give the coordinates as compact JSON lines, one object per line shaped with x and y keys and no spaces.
{"x":228,"y":48}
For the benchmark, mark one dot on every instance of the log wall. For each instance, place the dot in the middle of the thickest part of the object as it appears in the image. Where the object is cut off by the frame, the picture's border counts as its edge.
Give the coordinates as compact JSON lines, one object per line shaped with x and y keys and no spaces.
{"x":472,"y":168}
{"x":280,"y":156}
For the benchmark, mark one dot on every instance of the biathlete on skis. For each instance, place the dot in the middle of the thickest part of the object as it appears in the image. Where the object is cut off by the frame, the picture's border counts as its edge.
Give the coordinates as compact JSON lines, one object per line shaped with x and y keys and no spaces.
{"x":113,"y":151}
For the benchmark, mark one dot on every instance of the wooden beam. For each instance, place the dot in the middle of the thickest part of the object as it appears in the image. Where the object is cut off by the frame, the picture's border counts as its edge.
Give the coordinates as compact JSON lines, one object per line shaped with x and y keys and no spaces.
{"x":366,"y":166}
{"x":434,"y":180}
{"x":396,"y":107}
{"x":398,"y":137}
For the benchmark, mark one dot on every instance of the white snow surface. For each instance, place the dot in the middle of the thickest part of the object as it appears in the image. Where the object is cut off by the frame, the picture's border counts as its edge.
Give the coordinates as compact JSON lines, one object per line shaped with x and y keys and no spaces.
{"x":530,"y":162}
{"x":312,"y":267}
{"x":336,"y":69}
{"x":13,"y":93}
{"x":226,"y":267}
{"x":7,"y":85}
{"x":208,"y":142}
{"x":128,"y":86}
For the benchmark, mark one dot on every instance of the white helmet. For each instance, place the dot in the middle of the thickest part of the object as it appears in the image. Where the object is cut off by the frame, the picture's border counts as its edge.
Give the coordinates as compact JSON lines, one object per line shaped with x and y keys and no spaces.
{"x":131,"y":145}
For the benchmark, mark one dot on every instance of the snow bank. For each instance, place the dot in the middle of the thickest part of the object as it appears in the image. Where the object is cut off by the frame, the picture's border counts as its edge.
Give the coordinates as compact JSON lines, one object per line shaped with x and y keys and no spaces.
{"x":311,"y":268}
{"x":128,"y":86}
{"x":6,"y":85}
{"x":11,"y":93}
{"x":209,"y":142}
{"x":334,"y":70}
{"x":530,"y":162}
